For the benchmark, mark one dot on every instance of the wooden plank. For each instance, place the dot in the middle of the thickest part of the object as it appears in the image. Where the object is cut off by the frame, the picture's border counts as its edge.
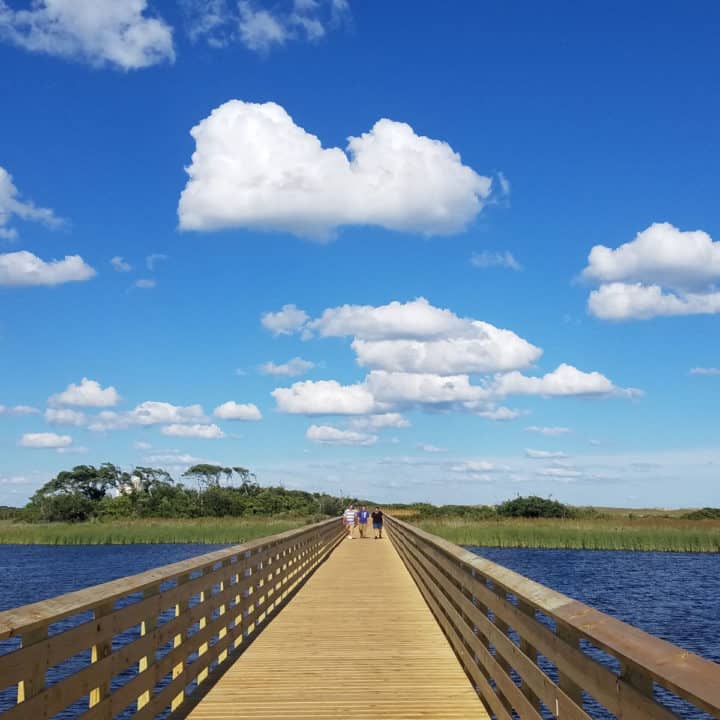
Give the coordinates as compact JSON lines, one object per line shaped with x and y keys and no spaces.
{"x":356,"y":641}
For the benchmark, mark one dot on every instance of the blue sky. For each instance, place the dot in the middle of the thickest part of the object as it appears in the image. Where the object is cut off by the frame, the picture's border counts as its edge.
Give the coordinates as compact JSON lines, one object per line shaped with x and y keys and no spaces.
{"x":410,"y":252}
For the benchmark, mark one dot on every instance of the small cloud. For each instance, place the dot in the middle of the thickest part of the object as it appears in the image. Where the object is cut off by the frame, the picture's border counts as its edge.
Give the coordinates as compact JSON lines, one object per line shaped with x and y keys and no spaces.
{"x":87,"y":393}
{"x":705,"y":371}
{"x":544,"y":454}
{"x":328,"y":435}
{"x":120,"y":265}
{"x":504,"y":183}
{"x":496,"y":258}
{"x":286,"y":321}
{"x":18,"y":410}
{"x":145,"y":283}
{"x":207,"y":432}
{"x":237,"y":411}
{"x":425,"y":447}
{"x":142,"y":445}
{"x":551,"y":431}
{"x":292,"y":368}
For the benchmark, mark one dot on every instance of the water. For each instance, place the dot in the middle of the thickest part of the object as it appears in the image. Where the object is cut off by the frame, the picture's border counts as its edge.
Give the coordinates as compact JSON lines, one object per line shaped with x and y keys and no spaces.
{"x":675,"y":596}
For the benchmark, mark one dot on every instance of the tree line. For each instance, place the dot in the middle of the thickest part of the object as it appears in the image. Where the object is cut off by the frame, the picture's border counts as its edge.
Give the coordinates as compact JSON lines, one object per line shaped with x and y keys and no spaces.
{"x":107,"y":492}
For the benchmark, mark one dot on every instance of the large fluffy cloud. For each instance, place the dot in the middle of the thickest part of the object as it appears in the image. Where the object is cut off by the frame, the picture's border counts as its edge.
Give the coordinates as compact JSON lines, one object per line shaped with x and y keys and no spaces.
{"x":207,"y":432}
{"x":11,"y":206}
{"x":232,"y":410}
{"x":564,"y":380}
{"x":87,"y":393}
{"x":421,"y":356}
{"x":150,"y":412}
{"x":100,"y":32}
{"x":24,"y":268}
{"x":253,"y":167}
{"x":663,"y":271}
{"x":324,"y":397}
{"x":45,"y":440}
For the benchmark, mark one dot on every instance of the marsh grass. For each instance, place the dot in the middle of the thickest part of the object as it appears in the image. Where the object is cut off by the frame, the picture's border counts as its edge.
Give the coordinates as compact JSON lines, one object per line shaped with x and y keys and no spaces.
{"x":202,"y":530}
{"x":614,"y":533}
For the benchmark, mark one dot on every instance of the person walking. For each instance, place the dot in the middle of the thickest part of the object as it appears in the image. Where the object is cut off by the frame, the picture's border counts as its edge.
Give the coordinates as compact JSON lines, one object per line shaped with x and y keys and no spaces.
{"x":362,"y":518}
{"x":377,"y":521}
{"x":349,"y":520}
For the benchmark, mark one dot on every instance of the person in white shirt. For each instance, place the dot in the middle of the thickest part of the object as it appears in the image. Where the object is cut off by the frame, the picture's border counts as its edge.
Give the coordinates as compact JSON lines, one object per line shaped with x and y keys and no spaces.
{"x":349,"y":520}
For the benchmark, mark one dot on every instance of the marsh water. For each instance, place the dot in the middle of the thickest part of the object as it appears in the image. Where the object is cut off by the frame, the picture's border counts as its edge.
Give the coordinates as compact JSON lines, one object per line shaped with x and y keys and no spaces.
{"x":675,"y":596}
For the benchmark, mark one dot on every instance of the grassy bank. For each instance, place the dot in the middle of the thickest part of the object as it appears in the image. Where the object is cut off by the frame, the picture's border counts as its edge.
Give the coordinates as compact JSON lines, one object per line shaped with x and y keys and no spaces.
{"x":614,"y":533}
{"x":202,"y":530}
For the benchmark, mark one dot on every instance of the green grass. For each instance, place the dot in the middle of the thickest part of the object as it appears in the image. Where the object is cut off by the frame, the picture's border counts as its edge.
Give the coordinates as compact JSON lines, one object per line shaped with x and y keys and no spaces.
{"x":615,"y":533}
{"x":202,"y":530}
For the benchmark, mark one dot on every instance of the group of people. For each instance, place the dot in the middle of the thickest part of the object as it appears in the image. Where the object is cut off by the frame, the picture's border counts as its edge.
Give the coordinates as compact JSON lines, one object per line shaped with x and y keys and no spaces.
{"x":353,"y":518}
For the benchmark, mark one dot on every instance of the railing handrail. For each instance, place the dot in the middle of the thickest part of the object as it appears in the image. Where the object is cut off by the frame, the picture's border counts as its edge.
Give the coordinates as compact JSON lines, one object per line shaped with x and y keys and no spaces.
{"x":690,"y":676}
{"x":20,"y":620}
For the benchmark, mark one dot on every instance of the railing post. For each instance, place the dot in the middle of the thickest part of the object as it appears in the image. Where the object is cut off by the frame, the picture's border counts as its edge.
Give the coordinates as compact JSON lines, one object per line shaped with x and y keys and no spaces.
{"x":180,"y":607}
{"x":148,"y":625}
{"x":100,"y":651}
{"x":571,"y":689}
{"x":530,"y":651}
{"x":34,"y":681}
{"x":205,"y":596}
{"x":221,"y":611}
{"x":637,"y":677}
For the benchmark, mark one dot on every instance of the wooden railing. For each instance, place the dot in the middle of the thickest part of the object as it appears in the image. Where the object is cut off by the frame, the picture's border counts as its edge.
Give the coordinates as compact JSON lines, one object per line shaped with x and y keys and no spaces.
{"x":144,"y":645}
{"x":534,"y":653}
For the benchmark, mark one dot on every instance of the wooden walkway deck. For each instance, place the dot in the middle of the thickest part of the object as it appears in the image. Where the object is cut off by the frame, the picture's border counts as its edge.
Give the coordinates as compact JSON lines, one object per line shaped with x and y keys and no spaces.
{"x":358,"y":641}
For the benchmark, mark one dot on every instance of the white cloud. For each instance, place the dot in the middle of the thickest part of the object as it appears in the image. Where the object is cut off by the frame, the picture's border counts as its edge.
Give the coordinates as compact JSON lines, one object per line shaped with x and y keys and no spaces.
{"x":423,"y":389}
{"x":327,"y":435}
{"x":173,"y":456}
{"x":551,"y":431}
{"x":260,"y":29}
{"x":488,"y":258}
{"x":65,"y":416}
{"x":500,"y":414}
{"x":413,"y":320}
{"x":425,"y":447}
{"x":120,"y":265}
{"x":10,"y":204}
{"x":563,"y":381}
{"x":24,"y":268}
{"x":237,"y":411}
{"x":18,"y":410}
{"x":292,"y":368}
{"x":417,"y":337}
{"x":286,"y":321}
{"x":101,"y":32}
{"x":253,"y":167}
{"x":663,"y":271}
{"x":377,"y":422}
{"x":149,"y":412}
{"x":624,"y":301}
{"x":44,"y":440}
{"x":145,"y":283}
{"x":142,"y":445}
{"x":324,"y":397}
{"x":544,"y":454}
{"x":88,"y":393}
{"x":207,"y":432}
{"x":705,"y":371}
{"x":490,"y":350}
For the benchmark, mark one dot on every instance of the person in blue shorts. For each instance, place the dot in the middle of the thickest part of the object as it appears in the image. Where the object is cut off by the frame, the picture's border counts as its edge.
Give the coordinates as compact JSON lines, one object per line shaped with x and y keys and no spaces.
{"x":377,"y":521}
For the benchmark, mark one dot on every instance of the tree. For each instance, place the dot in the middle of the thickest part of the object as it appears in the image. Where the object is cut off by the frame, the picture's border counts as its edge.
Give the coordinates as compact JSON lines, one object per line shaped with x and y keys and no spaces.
{"x":206,"y":475}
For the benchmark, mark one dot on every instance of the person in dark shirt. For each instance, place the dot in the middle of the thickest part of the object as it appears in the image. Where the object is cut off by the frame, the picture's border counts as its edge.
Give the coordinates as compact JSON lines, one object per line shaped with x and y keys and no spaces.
{"x":377,"y":521}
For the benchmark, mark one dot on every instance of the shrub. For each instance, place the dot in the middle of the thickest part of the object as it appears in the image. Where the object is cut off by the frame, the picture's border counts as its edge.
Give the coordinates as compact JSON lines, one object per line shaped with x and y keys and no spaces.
{"x":534,"y":507}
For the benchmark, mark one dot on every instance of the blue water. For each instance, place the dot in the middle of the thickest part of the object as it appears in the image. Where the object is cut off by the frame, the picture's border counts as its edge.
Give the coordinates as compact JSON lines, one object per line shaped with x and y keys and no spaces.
{"x":675,"y":596}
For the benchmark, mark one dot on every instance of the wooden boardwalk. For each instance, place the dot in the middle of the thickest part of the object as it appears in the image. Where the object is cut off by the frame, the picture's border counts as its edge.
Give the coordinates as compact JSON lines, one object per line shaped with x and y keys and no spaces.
{"x":358,"y":641}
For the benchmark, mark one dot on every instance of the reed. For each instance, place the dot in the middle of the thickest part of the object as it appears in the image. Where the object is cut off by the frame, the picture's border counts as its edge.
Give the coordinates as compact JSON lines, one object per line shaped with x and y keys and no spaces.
{"x":656,"y":534}
{"x":202,"y":530}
